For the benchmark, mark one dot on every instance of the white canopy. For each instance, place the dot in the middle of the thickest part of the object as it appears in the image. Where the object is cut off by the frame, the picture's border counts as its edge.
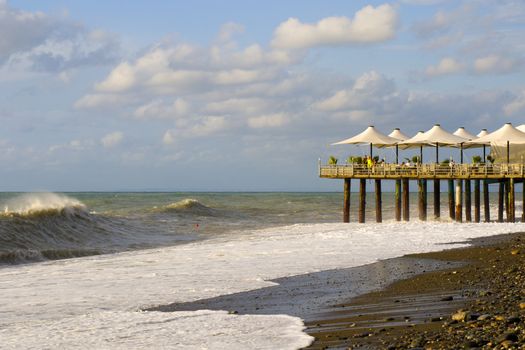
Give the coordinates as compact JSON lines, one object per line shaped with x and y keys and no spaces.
{"x":507,"y":133}
{"x":397,"y":134}
{"x":369,"y":136}
{"x":483,"y":132}
{"x":461,"y":132}
{"x":521,"y":127}
{"x":507,"y":144}
{"x":435,"y":136}
{"x":467,"y":136}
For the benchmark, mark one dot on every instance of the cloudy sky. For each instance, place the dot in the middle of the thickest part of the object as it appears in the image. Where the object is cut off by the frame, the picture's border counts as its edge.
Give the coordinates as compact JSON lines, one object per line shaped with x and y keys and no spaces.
{"x":240,"y":95}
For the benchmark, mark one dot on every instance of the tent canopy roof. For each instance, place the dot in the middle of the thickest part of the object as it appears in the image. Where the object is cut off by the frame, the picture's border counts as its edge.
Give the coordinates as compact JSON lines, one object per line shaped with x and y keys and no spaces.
{"x":397,"y":134}
{"x":436,"y":135}
{"x":461,"y":132}
{"x":371,"y":136}
{"x":483,"y":132}
{"x":507,"y":133}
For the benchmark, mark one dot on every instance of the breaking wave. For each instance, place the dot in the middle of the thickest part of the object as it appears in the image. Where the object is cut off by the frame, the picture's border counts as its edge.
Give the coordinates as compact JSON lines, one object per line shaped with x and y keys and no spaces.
{"x":191,"y":207}
{"x":44,"y":226}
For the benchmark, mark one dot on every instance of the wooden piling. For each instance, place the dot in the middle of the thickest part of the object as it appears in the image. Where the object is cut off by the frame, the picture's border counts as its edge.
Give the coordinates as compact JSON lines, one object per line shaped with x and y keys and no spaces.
{"x":362,"y":200}
{"x":451,"y":204}
{"x":379,"y":213}
{"x":506,"y":199}
{"x":437,"y":199}
{"x":346,"y":201}
{"x":459,"y":200}
{"x":501,"y":196}
{"x":523,"y":201}
{"x":398,"y":200}
{"x":512,"y":202}
{"x":422,"y":200}
{"x":468,"y":201}
{"x":477,"y":201}
{"x":486,"y":200}
{"x":406,"y":203}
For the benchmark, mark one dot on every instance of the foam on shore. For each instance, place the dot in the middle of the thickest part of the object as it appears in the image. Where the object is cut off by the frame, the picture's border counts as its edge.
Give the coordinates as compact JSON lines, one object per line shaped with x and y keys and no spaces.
{"x":80,"y":298}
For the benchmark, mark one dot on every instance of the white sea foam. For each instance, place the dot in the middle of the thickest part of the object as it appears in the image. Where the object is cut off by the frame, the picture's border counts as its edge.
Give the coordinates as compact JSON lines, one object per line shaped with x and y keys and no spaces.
{"x":37,"y":202}
{"x":94,"y":301}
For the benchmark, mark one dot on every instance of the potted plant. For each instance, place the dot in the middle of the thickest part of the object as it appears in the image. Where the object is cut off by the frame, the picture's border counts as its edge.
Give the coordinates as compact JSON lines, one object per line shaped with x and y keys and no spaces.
{"x":332,"y":160}
{"x":476,"y":160}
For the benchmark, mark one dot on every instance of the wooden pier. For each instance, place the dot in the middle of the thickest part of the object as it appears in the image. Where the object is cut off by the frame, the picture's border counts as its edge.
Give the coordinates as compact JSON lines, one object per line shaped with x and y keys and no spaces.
{"x":458,"y":176}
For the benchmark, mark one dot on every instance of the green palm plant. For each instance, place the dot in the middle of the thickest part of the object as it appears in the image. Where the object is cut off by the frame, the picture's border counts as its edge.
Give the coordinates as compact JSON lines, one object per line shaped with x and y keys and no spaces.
{"x":332,"y":160}
{"x":476,"y":159}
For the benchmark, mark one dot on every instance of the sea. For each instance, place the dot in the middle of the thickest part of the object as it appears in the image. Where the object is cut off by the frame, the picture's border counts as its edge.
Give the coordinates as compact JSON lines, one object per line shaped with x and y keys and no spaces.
{"x":80,"y":270}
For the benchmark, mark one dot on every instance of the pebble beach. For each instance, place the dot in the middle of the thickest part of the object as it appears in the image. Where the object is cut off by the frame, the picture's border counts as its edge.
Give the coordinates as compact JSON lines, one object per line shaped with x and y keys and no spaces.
{"x":479,"y":305}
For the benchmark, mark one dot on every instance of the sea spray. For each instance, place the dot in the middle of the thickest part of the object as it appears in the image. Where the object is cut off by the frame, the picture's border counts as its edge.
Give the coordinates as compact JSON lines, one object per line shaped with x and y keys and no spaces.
{"x":49,"y":226}
{"x":31,"y":203}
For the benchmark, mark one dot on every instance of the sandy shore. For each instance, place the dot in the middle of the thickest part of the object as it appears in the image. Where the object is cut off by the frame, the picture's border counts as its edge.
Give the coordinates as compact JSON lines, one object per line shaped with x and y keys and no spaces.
{"x":478,"y":305}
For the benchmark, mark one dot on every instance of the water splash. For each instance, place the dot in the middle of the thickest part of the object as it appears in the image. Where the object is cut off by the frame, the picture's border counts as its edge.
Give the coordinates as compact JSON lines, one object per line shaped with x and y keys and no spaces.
{"x":34,"y":203}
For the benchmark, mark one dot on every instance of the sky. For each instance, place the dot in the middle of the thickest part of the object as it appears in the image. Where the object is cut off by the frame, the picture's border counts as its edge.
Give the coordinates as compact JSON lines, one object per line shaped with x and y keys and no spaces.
{"x":240,"y":95}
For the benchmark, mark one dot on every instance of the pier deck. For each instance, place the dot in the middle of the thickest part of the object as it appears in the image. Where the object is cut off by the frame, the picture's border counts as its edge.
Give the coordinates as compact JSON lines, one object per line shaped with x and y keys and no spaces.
{"x":423,"y":171}
{"x":459,"y":195}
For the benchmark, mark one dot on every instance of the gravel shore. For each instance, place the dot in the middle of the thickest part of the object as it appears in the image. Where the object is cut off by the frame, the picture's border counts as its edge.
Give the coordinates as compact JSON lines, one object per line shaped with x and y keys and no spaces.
{"x":478,"y":305}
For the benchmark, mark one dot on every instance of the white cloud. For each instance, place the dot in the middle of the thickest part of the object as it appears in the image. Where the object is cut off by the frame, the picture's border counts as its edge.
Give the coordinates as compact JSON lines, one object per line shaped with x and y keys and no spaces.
{"x":268,"y":121}
{"x":495,"y":64}
{"x":100,"y":100}
{"x":424,"y":2}
{"x":121,"y":78}
{"x":112,"y":139}
{"x":369,"y":25}
{"x":39,"y":42}
{"x":209,"y":126}
{"x":517,"y":105}
{"x":169,"y":137}
{"x":368,"y":90}
{"x":158,"y":109}
{"x":228,"y":30}
{"x":446,"y":66}
{"x":253,"y":105}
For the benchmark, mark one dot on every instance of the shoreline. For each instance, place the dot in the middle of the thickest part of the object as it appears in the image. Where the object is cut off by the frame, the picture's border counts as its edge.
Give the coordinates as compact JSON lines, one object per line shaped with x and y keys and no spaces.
{"x":398,"y":303}
{"x":423,"y":311}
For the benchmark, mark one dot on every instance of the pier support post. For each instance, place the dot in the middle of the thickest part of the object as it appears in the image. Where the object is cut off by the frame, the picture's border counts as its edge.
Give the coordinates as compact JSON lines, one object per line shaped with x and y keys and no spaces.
{"x":346,"y":201}
{"x":501,"y":195}
{"x":379,"y":212}
{"x":406,"y":203}
{"x":397,"y":200}
{"x":507,"y":206}
{"x":437,"y":199}
{"x":451,"y":205}
{"x":459,"y":200}
{"x":512,"y":202}
{"x":486,"y":201}
{"x":523,"y":201}
{"x":468,"y":201}
{"x":477,"y":201}
{"x":422,"y":199}
{"x":362,"y":200}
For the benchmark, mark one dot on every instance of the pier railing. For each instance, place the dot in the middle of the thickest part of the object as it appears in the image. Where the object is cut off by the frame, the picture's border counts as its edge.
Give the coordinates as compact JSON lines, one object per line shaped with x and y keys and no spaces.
{"x":423,"y":171}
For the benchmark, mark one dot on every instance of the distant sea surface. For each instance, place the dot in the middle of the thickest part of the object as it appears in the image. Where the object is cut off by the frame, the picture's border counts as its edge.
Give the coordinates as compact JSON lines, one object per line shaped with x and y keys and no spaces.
{"x":50,"y":226}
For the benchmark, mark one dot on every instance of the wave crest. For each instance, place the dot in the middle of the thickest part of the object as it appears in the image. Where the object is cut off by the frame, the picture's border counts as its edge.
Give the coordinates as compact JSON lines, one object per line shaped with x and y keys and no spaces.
{"x":190,"y":206}
{"x":43,"y":204}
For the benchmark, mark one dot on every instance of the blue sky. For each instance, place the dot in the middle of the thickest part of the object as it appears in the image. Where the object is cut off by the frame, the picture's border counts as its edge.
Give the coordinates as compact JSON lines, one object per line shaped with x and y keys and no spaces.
{"x":240,"y":95}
